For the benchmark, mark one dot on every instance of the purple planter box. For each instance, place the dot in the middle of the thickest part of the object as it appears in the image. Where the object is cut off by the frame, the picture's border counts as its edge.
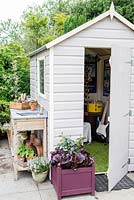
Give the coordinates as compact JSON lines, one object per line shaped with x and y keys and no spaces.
{"x":70,"y":182}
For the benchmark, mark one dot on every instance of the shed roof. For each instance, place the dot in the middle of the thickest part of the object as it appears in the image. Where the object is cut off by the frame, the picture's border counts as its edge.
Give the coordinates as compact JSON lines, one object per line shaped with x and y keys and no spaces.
{"x":111,"y":12}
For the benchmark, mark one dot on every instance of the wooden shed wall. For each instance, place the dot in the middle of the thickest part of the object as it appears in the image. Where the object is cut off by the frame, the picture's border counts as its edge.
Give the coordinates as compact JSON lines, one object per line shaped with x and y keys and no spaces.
{"x":34,"y":79}
{"x":68,"y":91}
{"x":69,"y":75}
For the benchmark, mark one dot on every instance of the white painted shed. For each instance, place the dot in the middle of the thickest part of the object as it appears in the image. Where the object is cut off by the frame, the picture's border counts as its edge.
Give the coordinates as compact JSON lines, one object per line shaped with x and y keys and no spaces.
{"x":63,"y":90}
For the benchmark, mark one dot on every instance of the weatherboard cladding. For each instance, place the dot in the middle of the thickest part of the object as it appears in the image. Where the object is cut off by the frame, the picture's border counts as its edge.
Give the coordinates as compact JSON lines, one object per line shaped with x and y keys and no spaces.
{"x":34,"y":78}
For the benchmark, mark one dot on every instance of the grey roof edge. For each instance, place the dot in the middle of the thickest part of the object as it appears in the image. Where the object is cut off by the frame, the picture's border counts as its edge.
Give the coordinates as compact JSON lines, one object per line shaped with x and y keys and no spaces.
{"x":37,"y":51}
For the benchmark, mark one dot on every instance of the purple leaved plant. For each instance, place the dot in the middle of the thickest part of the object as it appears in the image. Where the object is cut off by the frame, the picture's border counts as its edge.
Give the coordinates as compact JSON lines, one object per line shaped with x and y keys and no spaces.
{"x":71,"y":156}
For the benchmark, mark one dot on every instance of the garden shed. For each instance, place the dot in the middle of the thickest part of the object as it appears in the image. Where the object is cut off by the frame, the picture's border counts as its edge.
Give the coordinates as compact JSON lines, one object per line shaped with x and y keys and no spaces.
{"x":58,"y":74}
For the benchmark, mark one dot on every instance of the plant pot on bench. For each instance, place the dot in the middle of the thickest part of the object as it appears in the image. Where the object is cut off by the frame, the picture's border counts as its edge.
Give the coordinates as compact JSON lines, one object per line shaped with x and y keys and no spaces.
{"x":73,"y":181}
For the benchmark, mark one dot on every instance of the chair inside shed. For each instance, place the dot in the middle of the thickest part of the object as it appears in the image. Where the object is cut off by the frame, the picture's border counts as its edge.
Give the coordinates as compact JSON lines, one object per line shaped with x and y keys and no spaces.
{"x":96,"y":105}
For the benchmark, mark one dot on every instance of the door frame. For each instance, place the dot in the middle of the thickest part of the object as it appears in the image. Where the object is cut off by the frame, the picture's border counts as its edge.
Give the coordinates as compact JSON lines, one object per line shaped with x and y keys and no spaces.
{"x":99,"y":47}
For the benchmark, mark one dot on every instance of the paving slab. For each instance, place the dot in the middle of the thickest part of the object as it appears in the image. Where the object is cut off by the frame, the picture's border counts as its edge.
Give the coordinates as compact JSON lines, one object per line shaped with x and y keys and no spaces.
{"x":49,"y":194}
{"x":22,"y":196}
{"x":9,"y":186}
{"x":45,"y":185}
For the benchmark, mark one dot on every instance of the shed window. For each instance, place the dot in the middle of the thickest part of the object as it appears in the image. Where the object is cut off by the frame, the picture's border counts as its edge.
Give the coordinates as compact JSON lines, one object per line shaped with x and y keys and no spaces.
{"x":41,"y":76}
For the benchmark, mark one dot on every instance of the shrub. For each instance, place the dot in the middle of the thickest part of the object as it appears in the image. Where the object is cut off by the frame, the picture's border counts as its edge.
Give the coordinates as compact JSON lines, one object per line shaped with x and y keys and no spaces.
{"x":4,"y":112}
{"x":4,"y":116}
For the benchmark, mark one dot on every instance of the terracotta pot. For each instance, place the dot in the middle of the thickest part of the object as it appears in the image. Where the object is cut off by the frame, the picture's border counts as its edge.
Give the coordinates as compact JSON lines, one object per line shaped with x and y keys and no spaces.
{"x":28,"y":158}
{"x":18,"y":156}
{"x":33,"y":106}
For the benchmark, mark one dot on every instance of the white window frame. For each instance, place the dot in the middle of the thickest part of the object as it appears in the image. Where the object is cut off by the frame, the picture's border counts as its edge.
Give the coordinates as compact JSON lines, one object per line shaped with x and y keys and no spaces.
{"x":38,"y":71}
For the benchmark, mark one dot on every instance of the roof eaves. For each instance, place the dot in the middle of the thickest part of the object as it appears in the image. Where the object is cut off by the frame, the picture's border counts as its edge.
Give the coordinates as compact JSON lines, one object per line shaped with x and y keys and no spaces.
{"x":37,"y":51}
{"x":124,"y":20}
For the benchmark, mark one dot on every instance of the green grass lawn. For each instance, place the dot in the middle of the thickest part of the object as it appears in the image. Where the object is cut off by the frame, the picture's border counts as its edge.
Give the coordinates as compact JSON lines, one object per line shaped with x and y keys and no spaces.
{"x":100,"y":152}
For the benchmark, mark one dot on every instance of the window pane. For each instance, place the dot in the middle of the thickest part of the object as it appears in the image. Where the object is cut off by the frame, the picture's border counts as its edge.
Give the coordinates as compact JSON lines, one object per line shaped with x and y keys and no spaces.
{"x":42,"y":76}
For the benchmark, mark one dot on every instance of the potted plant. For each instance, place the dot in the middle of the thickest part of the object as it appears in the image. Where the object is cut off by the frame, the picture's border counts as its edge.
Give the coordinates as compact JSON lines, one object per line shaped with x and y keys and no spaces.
{"x":33,"y":104}
{"x":39,"y":168}
{"x":72,"y":168}
{"x":29,"y":153}
{"x":24,"y":153}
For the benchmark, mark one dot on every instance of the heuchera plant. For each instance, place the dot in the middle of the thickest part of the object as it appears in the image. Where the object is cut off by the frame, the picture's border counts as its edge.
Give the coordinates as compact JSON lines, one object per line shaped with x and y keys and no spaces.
{"x":70,"y":154}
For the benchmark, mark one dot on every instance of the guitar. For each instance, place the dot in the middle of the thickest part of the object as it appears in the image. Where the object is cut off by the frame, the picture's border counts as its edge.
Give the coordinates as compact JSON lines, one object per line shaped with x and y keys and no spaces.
{"x":101,"y":130}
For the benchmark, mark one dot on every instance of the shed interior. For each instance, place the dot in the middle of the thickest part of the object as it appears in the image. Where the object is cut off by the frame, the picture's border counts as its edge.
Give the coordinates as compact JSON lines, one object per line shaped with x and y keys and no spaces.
{"x":97,"y":74}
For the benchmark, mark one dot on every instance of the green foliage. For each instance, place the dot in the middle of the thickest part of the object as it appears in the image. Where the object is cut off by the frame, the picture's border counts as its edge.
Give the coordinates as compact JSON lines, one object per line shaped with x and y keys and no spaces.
{"x":14,"y":71}
{"x":14,"y":76}
{"x":74,"y":21}
{"x":39,"y":165}
{"x":25,"y":151}
{"x":69,"y":144}
{"x":125,"y":8}
{"x":35,"y":27}
{"x":88,"y":9}
{"x":59,"y":20}
{"x":4,"y":112}
{"x":41,"y":24}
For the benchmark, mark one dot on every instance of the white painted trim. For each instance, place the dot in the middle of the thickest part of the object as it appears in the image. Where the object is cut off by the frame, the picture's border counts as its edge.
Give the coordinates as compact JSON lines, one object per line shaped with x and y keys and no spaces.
{"x":51,"y":101}
{"x":124,"y":20}
{"x":112,"y":10}
{"x":38,"y":74}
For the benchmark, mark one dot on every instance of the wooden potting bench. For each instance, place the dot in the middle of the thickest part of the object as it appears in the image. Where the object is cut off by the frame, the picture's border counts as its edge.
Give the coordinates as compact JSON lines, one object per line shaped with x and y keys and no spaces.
{"x":26,"y":120}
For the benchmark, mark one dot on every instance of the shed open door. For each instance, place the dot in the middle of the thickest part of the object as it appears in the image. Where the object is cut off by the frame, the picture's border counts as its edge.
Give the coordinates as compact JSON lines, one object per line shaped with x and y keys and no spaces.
{"x":119,"y":114}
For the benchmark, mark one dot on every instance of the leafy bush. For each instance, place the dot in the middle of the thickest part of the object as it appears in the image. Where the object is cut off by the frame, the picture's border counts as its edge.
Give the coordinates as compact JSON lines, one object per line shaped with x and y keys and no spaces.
{"x":14,"y":76}
{"x":70,"y":154}
{"x":14,"y":71}
{"x":4,"y":112}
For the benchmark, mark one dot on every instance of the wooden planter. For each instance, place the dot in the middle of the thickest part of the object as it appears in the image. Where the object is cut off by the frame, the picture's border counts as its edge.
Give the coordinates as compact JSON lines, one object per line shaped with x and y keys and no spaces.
{"x":19,"y":106}
{"x":70,"y":182}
